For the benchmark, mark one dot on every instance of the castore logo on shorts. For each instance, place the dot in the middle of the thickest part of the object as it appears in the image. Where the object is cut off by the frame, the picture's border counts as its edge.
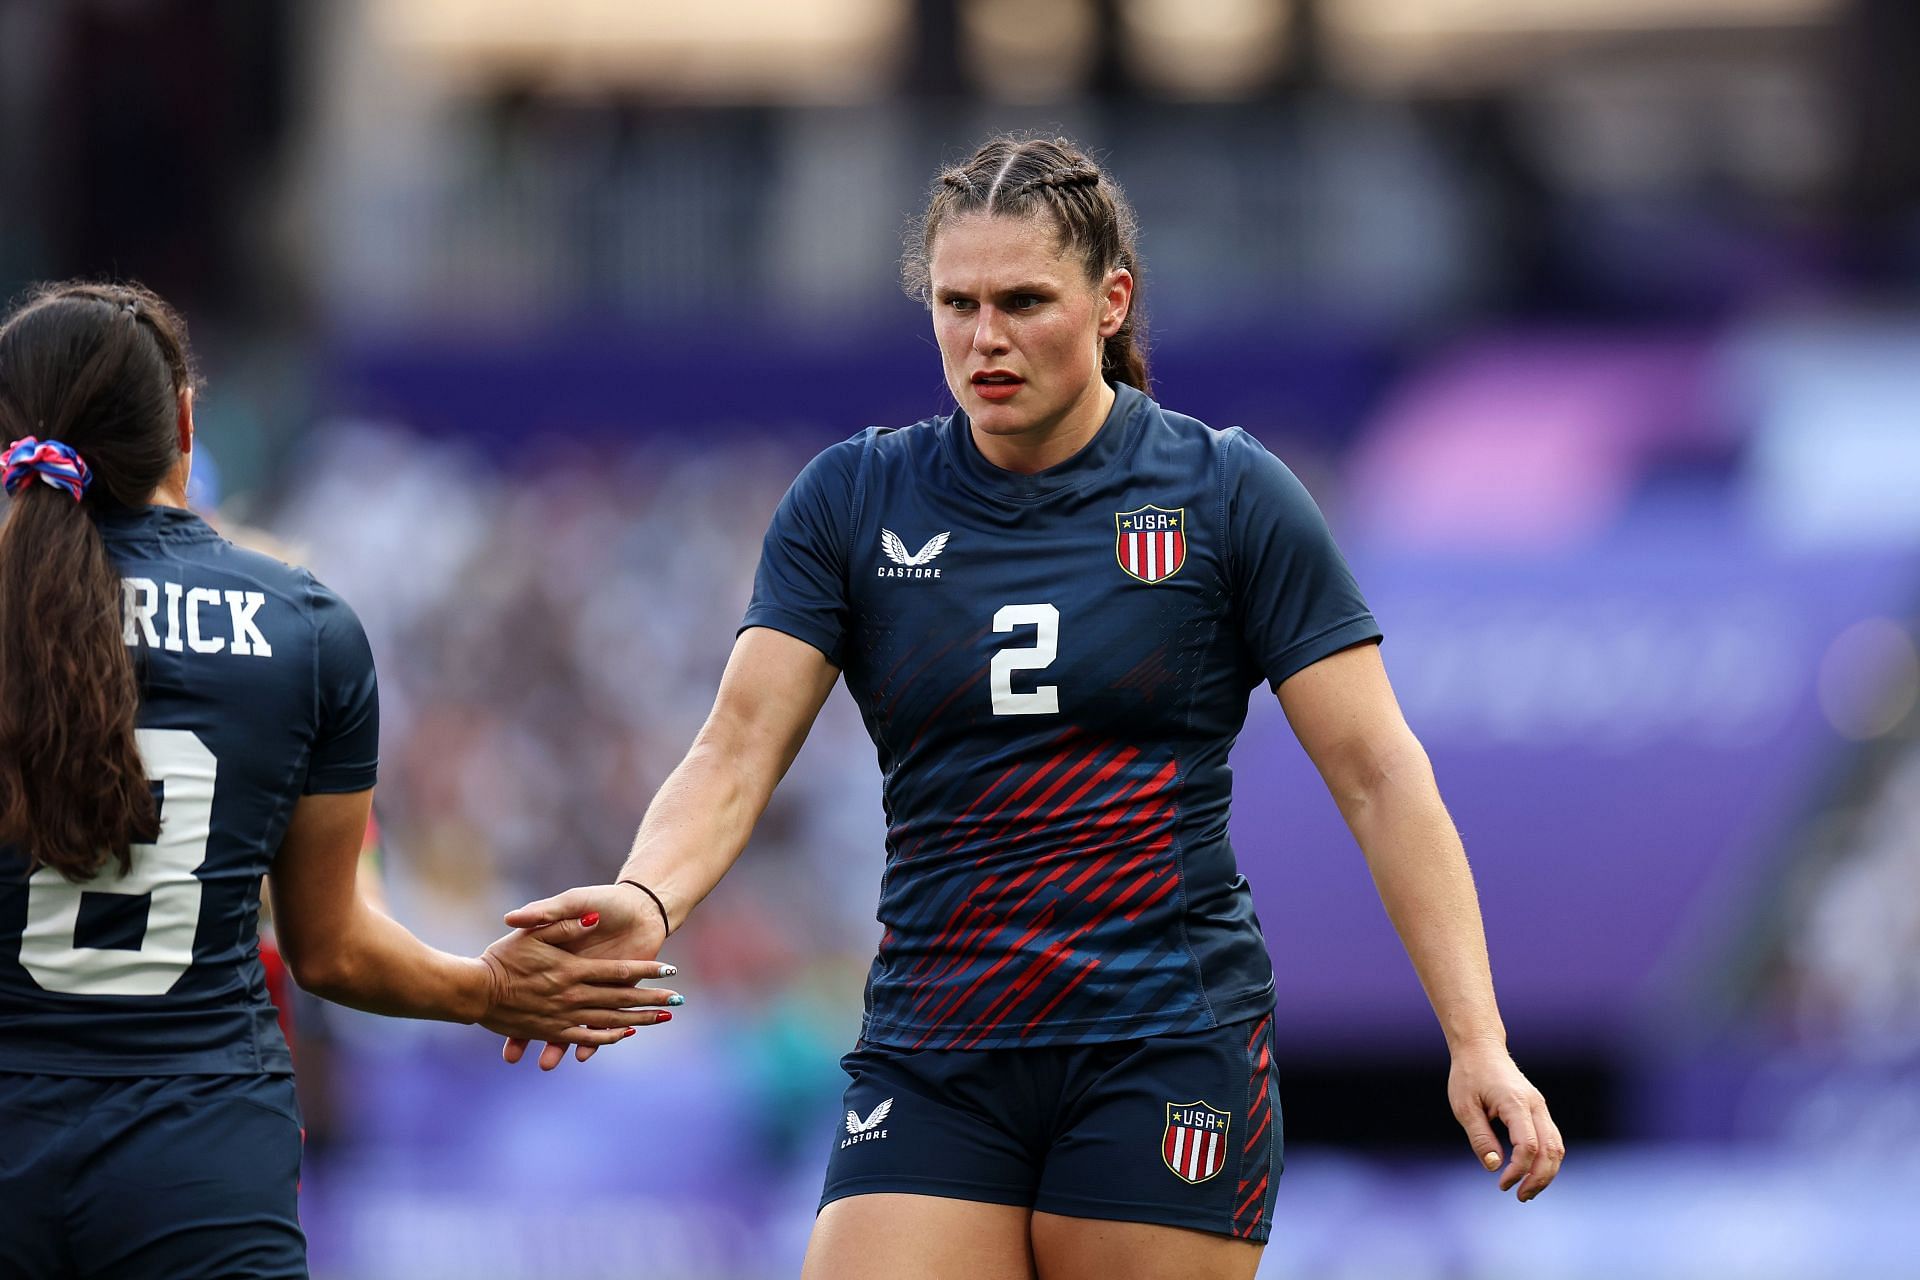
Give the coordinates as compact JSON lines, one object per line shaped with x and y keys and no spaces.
{"x":867,"y":1130}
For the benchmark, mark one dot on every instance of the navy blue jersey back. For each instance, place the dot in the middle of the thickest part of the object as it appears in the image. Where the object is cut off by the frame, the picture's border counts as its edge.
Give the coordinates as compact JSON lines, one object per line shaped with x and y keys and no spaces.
{"x":257,"y":686}
{"x":1053,"y":668}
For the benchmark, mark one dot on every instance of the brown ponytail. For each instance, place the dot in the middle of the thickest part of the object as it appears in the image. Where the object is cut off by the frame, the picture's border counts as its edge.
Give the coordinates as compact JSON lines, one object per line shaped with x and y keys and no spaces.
{"x":1022,"y":177}
{"x":99,"y":368}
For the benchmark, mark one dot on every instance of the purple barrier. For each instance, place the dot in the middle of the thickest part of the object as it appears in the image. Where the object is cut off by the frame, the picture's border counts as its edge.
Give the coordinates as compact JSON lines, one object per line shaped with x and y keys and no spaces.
{"x":621,"y":381}
{"x":1623,"y":736}
{"x":1524,"y":441}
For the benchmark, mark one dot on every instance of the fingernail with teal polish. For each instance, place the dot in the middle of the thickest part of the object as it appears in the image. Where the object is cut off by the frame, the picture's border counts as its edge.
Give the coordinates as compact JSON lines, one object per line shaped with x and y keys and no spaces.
{"x":676,"y":998}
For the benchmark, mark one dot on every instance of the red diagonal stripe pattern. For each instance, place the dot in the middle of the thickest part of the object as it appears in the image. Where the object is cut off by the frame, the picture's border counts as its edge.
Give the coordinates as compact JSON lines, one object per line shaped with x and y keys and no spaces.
{"x":993,"y":915}
{"x":1148,"y":869}
{"x":1066,"y":850}
{"x":1256,"y":1153}
{"x":911,"y":838}
{"x":973,"y":914}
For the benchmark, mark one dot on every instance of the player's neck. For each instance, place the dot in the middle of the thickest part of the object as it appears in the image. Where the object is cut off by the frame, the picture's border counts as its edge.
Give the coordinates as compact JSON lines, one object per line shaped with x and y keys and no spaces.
{"x":1050,"y":444}
{"x":172,"y":491}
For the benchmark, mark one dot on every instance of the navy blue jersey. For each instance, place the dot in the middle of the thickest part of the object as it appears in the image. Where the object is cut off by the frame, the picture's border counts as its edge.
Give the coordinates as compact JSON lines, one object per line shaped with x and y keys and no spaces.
{"x":1053,"y":668}
{"x":257,"y":687}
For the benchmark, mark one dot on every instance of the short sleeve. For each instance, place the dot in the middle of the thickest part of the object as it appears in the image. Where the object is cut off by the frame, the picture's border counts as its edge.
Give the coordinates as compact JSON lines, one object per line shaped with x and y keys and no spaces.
{"x":346,"y":746}
{"x":1297,"y":600}
{"x":801,"y":585}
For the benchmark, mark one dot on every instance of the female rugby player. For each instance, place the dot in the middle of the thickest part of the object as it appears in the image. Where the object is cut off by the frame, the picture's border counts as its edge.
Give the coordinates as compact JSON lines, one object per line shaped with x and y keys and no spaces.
{"x":1050,"y":606}
{"x":180,"y":717}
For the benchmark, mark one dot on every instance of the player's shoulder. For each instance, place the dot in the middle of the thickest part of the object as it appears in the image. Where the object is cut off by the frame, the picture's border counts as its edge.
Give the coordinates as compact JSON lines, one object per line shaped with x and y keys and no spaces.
{"x":876,"y":447}
{"x":912,"y":442}
{"x":285,"y":579}
{"x":1231,"y":448}
{"x":289,"y":584}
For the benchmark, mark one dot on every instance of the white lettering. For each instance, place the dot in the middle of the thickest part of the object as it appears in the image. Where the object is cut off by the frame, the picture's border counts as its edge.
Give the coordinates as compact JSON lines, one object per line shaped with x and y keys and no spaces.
{"x":1045,"y":698}
{"x":246,"y":637}
{"x":194,"y":640}
{"x":897,"y":571}
{"x":139,"y":601}
{"x":173,"y":644}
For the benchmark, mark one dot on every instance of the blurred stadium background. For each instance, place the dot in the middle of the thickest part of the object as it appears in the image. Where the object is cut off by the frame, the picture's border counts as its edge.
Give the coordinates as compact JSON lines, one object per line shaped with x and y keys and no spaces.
{"x":1593,"y":324}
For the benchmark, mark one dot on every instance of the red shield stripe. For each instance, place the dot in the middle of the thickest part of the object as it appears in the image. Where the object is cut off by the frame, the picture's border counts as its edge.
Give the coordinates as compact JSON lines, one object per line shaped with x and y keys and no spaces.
{"x":1151,"y":542}
{"x":1194,"y":1145}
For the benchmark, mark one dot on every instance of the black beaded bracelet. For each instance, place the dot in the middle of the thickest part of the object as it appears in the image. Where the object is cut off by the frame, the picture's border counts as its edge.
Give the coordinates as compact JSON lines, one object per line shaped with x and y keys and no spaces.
{"x":665,"y":922}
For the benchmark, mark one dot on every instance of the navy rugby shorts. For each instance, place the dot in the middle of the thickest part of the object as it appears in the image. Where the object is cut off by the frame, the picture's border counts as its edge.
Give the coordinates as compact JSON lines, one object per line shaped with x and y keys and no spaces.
{"x":1178,"y":1130}
{"x":150,"y":1178}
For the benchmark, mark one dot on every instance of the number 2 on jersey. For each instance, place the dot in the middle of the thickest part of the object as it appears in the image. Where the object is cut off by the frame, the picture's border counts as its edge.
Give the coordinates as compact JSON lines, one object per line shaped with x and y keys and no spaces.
{"x":186,"y":772}
{"x":1045,"y":699}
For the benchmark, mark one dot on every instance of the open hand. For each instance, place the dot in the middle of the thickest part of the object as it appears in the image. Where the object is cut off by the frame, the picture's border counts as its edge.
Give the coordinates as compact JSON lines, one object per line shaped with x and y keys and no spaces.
{"x":1486,"y":1085}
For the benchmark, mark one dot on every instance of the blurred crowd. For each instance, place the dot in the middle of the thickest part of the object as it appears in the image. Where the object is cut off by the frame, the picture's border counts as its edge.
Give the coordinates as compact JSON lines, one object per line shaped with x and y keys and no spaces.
{"x":1852,"y":971}
{"x":550,"y":630}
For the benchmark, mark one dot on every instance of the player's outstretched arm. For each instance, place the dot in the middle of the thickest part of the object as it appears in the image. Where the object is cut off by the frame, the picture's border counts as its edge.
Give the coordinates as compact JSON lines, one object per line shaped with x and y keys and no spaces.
{"x":341,"y":948}
{"x":1344,"y":712}
{"x":699,"y":821}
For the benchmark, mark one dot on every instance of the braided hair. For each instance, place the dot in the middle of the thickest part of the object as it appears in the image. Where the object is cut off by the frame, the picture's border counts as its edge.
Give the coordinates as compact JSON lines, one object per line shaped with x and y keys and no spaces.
{"x":1030,"y":177}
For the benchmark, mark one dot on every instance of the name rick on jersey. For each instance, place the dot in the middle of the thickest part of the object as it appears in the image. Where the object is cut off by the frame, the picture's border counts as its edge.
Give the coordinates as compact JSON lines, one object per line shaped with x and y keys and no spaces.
{"x":200,"y":609}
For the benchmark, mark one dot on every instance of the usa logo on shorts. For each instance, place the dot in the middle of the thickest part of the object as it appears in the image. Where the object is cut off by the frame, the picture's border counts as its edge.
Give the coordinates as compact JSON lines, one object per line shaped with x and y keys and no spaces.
{"x":1151,"y":542}
{"x":1195,"y":1143}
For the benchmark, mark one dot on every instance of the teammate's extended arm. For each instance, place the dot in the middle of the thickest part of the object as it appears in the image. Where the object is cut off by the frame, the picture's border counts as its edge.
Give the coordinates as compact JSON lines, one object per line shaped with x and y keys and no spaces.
{"x":1343,"y":710}
{"x":339,"y":947}
{"x":701,"y":817}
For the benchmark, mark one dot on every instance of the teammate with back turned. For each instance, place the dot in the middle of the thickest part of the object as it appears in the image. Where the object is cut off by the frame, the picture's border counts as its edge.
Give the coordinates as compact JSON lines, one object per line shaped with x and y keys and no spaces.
{"x":180,"y":716}
{"x":1050,"y":606}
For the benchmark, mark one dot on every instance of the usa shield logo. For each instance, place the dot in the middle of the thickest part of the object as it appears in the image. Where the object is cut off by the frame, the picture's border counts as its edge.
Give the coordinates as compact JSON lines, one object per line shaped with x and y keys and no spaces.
{"x":1151,"y":542}
{"x":1195,"y":1143}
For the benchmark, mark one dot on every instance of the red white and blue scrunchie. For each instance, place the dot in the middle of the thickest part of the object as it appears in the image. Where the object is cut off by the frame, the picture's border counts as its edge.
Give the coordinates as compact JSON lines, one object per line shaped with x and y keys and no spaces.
{"x":55,"y":463}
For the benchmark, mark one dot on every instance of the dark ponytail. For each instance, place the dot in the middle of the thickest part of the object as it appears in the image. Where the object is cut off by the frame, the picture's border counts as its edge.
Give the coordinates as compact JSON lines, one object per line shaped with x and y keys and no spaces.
{"x":1024,"y":177}
{"x":99,"y":368}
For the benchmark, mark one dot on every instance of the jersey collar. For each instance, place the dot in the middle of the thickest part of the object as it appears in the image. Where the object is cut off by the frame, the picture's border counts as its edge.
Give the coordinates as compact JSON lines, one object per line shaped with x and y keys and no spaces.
{"x":171,"y":523}
{"x":1113,"y":441}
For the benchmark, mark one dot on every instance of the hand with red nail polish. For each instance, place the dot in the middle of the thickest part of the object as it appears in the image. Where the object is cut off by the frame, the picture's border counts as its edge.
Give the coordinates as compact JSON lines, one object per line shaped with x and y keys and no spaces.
{"x":629,"y":925}
{"x":539,"y":989}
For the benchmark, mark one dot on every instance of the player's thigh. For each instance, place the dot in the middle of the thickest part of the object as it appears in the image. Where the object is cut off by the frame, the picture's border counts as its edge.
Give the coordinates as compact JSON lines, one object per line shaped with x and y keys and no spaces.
{"x":1092,"y":1249}
{"x":890,"y":1236}
{"x":193,"y":1178}
{"x":1177,"y":1131}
